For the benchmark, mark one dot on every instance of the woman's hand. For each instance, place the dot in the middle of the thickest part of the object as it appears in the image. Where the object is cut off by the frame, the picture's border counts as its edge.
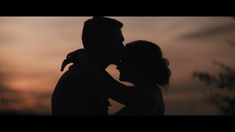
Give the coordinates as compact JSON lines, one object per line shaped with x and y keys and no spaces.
{"x":73,"y":57}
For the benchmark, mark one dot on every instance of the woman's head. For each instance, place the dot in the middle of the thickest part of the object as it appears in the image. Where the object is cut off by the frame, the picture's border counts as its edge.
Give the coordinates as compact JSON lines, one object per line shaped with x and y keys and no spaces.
{"x":143,"y":61}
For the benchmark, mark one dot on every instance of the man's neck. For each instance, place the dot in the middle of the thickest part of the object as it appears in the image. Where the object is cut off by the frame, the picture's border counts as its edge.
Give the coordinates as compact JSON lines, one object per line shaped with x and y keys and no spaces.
{"x":100,"y":62}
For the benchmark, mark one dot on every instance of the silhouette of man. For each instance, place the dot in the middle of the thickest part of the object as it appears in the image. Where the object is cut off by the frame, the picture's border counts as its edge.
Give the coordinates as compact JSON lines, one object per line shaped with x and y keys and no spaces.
{"x":78,"y":94}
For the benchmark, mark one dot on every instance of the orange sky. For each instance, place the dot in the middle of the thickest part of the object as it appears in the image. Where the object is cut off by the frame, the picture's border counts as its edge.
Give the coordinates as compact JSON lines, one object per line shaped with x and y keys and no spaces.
{"x":32,"y":49}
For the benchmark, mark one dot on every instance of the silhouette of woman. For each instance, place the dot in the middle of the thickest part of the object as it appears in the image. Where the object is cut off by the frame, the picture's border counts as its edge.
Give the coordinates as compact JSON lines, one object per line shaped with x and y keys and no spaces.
{"x":144,"y":66}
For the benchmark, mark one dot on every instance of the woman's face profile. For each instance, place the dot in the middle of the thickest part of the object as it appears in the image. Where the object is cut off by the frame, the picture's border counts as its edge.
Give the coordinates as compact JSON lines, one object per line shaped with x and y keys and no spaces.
{"x":125,"y":68}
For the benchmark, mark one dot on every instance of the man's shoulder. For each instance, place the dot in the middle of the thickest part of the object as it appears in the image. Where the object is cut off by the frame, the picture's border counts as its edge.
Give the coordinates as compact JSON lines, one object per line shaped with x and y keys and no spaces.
{"x":73,"y":73}
{"x":76,"y":73}
{"x":78,"y":76}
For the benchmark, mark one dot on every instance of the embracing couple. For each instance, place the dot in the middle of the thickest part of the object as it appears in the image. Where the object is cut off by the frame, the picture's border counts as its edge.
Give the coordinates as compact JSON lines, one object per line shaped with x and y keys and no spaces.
{"x":86,"y":87}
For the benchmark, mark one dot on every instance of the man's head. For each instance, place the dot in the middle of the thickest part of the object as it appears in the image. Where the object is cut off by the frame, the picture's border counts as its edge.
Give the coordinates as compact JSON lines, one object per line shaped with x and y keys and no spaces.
{"x":102,"y":36}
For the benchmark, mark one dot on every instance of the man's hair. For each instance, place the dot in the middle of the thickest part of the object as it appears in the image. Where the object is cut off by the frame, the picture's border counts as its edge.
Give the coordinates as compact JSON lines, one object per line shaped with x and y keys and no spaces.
{"x":97,"y":29}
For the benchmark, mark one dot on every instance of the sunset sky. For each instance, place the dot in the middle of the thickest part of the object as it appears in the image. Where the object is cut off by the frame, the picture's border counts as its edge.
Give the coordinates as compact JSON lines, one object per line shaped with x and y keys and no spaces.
{"x":32,"y":49}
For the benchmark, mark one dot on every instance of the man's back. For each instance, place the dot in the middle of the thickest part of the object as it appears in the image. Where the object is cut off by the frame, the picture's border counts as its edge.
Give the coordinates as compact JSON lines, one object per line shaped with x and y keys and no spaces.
{"x":77,"y":94}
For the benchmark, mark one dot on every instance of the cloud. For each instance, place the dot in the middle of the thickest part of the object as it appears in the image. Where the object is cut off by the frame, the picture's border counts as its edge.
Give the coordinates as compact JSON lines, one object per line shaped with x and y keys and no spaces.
{"x":209,"y":32}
